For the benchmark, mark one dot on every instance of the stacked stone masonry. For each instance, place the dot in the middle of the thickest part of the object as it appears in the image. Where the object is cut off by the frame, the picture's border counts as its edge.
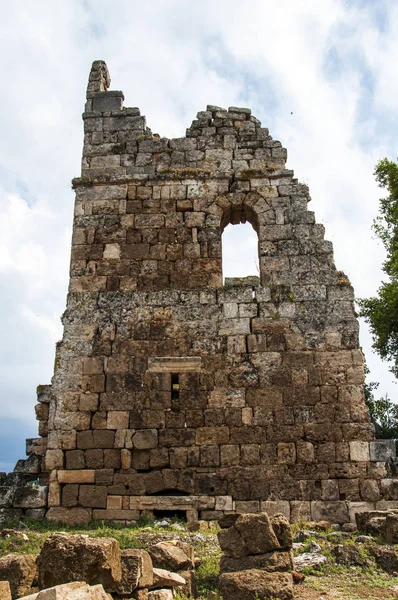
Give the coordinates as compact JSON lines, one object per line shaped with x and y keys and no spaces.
{"x":174,"y":391}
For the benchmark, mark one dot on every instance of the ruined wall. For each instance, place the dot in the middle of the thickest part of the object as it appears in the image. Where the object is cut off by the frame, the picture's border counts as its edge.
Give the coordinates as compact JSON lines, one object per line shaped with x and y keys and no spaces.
{"x":172,"y":390}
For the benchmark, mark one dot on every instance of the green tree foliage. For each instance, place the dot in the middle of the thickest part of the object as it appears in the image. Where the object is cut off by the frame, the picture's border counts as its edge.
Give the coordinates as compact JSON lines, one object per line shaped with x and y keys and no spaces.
{"x":381,"y":311}
{"x":383,"y":412}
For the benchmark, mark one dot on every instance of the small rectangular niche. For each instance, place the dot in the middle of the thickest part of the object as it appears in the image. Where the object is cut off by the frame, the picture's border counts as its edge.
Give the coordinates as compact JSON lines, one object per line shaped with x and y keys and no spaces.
{"x":174,"y":364}
{"x":175,"y":387}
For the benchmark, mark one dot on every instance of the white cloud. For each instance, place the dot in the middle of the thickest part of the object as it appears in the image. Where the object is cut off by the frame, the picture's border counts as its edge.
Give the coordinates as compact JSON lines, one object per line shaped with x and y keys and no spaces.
{"x":325,"y":62}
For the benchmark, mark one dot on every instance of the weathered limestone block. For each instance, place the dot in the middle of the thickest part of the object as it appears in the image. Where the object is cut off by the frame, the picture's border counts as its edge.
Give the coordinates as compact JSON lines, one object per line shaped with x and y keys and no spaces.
{"x":20,"y":572}
{"x":270,"y":562}
{"x":166,"y":579}
{"x":137,"y":571}
{"x":5,"y":590}
{"x":391,"y":529}
{"x":70,"y":516}
{"x":70,"y":591}
{"x":65,"y":558}
{"x":166,"y":555}
{"x":164,"y":594}
{"x":31,"y":497}
{"x":246,"y":585}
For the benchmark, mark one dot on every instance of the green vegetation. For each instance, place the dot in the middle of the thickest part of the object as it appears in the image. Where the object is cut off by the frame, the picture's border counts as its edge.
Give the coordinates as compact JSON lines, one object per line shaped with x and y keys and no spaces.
{"x":381,"y":311}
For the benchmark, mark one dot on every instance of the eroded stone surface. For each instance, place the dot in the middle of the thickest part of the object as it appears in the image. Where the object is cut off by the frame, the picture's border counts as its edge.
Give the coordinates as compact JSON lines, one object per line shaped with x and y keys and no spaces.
{"x":20,"y":572}
{"x":65,"y":558}
{"x":255,"y":583}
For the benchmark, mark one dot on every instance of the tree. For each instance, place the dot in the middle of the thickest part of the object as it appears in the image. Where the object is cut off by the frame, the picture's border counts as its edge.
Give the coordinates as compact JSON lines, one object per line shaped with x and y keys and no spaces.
{"x":383,"y":412}
{"x":381,"y":311}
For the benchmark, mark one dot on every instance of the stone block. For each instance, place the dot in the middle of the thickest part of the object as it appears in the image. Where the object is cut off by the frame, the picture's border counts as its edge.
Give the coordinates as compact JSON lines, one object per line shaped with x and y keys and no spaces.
{"x":82,"y":476}
{"x":359,"y":451}
{"x":71,"y":591}
{"x":69,"y":516}
{"x":334,"y":512}
{"x":66,"y":558}
{"x":251,"y":534}
{"x":137,"y":571}
{"x":255,"y":583}
{"x":382,"y":450}
{"x":275,"y":507}
{"x":270,"y":562}
{"x":31,"y":497}
{"x":20,"y":572}
{"x":5,"y":590}
{"x":92,"y":496}
{"x":145,"y":439}
{"x":166,"y":555}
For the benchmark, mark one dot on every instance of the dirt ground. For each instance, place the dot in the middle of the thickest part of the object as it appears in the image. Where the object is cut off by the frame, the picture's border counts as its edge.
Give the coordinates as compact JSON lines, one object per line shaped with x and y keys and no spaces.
{"x":347,"y":586}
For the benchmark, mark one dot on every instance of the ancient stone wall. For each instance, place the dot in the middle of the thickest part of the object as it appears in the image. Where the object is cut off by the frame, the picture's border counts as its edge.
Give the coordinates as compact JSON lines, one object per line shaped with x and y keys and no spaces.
{"x":174,"y":391}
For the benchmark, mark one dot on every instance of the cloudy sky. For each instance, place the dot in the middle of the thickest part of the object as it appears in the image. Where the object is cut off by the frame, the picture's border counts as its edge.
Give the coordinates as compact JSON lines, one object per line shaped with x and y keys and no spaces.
{"x":321,"y":75}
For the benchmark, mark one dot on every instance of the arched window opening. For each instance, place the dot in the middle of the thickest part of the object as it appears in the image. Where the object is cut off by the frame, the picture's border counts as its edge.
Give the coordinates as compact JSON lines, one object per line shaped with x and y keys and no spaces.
{"x":240,"y":248}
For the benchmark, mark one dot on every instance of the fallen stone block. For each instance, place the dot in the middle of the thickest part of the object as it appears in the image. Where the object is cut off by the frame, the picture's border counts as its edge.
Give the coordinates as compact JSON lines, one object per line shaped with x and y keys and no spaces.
{"x":65,"y":558}
{"x":76,"y":590}
{"x":165,"y":594}
{"x":166,"y":579}
{"x":390,"y":530}
{"x":20,"y":572}
{"x":386,"y":557}
{"x":282,"y":530}
{"x":166,"y":555}
{"x":251,"y":534}
{"x":5,"y":591}
{"x":271,"y":562}
{"x":137,"y":571}
{"x":189,"y":589}
{"x":256,"y":583}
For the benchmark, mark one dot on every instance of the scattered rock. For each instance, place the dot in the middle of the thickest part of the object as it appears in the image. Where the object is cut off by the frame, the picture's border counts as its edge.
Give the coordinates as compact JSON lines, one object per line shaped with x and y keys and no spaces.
{"x":386,"y":557}
{"x":337,"y":536}
{"x":350,"y":554}
{"x":304,"y":534}
{"x":371,"y":522}
{"x":255,"y":583}
{"x":321,"y":525}
{"x":309,"y":559}
{"x":198,"y":526}
{"x":364,"y":539}
{"x":65,"y":558}
{"x":349,"y":527}
{"x":163,"y":578}
{"x":314,"y":547}
{"x":164,"y":523}
{"x":7,"y":533}
{"x":178,"y":527}
{"x":20,"y":572}
{"x":298,"y":546}
{"x":297,"y":577}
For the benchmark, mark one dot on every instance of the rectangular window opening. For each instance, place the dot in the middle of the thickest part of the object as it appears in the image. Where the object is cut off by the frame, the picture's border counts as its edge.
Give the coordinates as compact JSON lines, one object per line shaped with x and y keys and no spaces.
{"x":175,"y":390}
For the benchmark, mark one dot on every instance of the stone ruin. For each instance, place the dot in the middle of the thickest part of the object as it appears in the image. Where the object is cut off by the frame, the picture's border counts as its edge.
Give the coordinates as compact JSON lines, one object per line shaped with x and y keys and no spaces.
{"x":176,"y":392}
